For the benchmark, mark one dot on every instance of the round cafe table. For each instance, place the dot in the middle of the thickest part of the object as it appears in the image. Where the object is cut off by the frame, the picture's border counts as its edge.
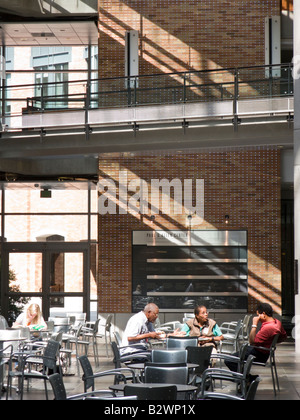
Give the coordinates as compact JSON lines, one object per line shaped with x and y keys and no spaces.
{"x":190,"y":389}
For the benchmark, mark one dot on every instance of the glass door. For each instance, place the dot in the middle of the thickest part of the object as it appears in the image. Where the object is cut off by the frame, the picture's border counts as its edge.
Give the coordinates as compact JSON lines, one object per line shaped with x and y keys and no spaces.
{"x":54,"y":275}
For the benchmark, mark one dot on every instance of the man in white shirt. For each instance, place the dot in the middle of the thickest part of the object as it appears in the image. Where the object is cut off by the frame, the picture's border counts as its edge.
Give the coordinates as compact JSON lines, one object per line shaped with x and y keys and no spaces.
{"x":139,"y":329}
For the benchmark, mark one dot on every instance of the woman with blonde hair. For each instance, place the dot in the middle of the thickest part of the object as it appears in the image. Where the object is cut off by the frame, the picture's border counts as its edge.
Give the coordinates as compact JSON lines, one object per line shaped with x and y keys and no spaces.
{"x":31,"y":318}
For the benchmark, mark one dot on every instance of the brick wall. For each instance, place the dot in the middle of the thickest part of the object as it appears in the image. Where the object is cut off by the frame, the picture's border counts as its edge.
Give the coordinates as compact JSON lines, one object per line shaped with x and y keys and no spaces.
{"x":243,"y":184}
{"x":183,"y":35}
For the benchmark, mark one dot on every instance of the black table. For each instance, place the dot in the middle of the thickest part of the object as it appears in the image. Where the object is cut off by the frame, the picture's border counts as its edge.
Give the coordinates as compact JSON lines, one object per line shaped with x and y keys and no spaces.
{"x":141,"y":365}
{"x":190,"y":389}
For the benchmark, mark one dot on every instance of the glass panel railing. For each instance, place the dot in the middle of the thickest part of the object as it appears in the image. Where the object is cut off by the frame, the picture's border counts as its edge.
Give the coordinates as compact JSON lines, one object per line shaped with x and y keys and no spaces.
{"x":23,"y":102}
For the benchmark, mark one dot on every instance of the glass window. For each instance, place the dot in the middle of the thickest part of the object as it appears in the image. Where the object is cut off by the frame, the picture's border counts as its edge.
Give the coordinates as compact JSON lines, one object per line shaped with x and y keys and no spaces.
{"x":25,"y":272}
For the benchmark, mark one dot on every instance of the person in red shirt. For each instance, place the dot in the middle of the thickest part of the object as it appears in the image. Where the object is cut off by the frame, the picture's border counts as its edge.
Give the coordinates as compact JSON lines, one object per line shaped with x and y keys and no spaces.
{"x":270,"y":327}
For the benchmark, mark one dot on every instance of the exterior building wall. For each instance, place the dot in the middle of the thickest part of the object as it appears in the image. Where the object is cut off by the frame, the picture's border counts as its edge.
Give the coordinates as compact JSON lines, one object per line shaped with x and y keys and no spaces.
{"x":244,"y":184}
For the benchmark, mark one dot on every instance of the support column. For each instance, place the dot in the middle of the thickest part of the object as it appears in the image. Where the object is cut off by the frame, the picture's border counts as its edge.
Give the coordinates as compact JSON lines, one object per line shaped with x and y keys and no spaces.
{"x":297,"y":167}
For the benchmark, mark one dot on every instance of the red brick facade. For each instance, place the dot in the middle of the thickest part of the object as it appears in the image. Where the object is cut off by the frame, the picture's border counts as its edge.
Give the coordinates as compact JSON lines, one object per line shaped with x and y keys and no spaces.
{"x":184,"y":35}
{"x":243,"y":184}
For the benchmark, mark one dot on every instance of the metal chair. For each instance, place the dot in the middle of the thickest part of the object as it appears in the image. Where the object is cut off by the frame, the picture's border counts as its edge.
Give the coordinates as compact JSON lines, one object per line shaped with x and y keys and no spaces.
{"x":175,"y":373}
{"x":250,"y":395}
{"x":60,"y":393}
{"x":118,"y":338}
{"x":49,"y":362}
{"x":119,"y":359}
{"x":229,"y":327}
{"x":231,"y":338}
{"x":92,"y":333}
{"x":271,"y":360}
{"x":107,"y":331}
{"x":226,"y":375}
{"x":169,"y":356}
{"x":3,"y":323}
{"x":155,"y":393}
{"x":78,"y":342}
{"x":181,"y":342}
{"x":89,"y":376}
{"x":61,"y":324}
{"x":200,"y":356}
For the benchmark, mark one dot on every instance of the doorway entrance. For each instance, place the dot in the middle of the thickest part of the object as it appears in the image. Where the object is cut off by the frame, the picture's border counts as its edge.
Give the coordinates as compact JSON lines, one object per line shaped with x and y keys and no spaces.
{"x":56,"y":275}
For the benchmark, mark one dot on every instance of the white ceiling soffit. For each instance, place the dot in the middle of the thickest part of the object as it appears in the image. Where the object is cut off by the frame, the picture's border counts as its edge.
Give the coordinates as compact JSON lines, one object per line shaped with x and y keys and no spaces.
{"x":42,"y":8}
{"x":50,"y":33}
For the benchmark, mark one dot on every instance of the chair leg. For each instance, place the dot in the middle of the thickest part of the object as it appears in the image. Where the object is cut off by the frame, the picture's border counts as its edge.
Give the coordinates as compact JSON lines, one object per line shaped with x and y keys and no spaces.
{"x":274,"y":375}
{"x":96,"y":355}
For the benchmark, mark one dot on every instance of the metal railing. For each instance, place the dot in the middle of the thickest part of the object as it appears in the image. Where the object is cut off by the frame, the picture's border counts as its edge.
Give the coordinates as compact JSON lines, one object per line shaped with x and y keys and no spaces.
{"x":231,"y":85}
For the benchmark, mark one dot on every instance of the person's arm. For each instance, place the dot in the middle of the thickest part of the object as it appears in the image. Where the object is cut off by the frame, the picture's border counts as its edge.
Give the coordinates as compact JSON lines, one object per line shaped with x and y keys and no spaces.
{"x":151,"y":334}
{"x":185,"y":331}
{"x":218,"y":336}
{"x":18,"y":322}
{"x":252,"y":334}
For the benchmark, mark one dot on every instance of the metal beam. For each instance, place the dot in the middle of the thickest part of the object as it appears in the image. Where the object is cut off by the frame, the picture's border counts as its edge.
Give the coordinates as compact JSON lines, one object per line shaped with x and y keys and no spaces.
{"x":205,"y":137}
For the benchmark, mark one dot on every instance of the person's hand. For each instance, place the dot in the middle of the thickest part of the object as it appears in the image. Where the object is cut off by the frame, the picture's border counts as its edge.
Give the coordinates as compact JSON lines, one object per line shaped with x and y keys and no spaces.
{"x":161,"y":334}
{"x":177,"y":333}
{"x":154,"y":334}
{"x":255,"y":320}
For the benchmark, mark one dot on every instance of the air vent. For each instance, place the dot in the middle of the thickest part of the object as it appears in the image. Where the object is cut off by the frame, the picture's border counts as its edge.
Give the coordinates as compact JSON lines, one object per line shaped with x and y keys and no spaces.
{"x":43,"y":35}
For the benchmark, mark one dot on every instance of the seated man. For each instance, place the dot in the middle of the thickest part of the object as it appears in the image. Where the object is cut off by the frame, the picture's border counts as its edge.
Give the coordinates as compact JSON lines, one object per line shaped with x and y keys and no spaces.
{"x":263,"y":338}
{"x":139,"y":329}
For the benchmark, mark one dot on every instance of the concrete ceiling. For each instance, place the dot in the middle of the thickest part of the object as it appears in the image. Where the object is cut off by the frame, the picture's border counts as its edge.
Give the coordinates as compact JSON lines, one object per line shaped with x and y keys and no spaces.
{"x":53,"y":33}
{"x":42,"y":8}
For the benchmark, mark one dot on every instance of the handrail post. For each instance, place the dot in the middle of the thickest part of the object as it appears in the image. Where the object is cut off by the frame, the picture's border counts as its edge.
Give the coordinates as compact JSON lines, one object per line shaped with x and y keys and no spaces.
{"x":42,"y":97}
{"x":184,"y":88}
{"x":3,"y":87}
{"x":235,"y":99}
{"x":135,"y":92}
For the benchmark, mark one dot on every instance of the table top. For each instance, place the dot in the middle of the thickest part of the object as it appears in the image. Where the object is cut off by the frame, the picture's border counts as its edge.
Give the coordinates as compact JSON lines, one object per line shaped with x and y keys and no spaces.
{"x":180,"y":387}
{"x":141,"y":365}
{"x":4,"y":339}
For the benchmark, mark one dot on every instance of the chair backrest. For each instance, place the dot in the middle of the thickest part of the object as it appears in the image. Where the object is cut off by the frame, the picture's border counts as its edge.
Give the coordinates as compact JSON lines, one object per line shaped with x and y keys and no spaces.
{"x":50,"y":326}
{"x":108,"y":322}
{"x":11,"y":334}
{"x":176,"y":373}
{"x":96,"y":326}
{"x":58,"y":387}
{"x":3,"y":323}
{"x":248,"y":366}
{"x":238,"y":328}
{"x":250,"y":396}
{"x":61,"y":324}
{"x":181,"y":342}
{"x":80,"y":318}
{"x":116,"y":354}
{"x":274,"y":342}
{"x":50,"y":355}
{"x":118,"y":338}
{"x":57,"y":336}
{"x":242,"y":354}
{"x":246,"y":324}
{"x":199,"y":356}
{"x":157,"y":392}
{"x":87,"y":373}
{"x":169,"y":356}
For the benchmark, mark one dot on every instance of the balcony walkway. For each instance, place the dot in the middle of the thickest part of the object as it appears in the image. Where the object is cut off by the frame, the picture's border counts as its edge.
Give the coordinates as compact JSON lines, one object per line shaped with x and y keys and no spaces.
{"x":245,"y":107}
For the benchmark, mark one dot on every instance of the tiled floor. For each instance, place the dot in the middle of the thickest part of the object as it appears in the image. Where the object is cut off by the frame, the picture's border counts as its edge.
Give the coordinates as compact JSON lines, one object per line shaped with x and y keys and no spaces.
{"x":288,"y":366}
